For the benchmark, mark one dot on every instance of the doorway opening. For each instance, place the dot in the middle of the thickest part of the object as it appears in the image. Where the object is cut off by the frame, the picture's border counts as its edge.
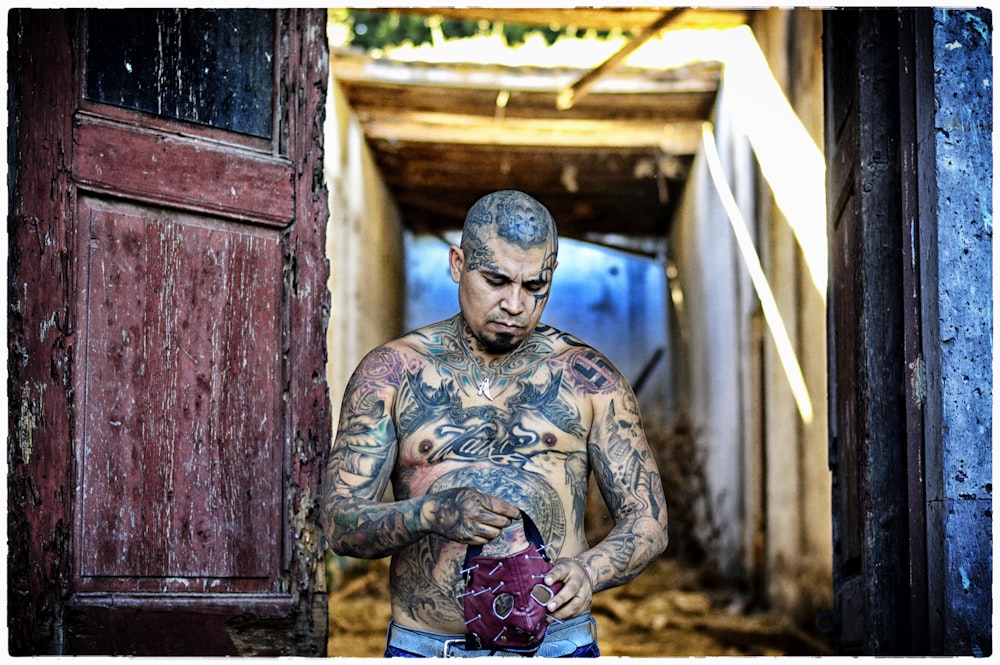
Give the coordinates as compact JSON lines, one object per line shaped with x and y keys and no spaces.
{"x":420,"y":137}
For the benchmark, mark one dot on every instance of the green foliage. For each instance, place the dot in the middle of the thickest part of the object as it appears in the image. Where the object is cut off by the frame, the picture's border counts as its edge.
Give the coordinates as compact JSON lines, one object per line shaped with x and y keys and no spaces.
{"x":376,"y":29}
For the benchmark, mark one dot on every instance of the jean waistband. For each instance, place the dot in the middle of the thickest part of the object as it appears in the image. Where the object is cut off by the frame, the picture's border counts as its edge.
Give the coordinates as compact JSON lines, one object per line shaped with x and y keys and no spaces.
{"x":560,"y":640}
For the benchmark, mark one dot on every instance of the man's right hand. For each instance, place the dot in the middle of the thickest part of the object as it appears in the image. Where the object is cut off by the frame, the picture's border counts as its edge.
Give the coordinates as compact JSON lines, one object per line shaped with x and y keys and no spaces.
{"x":466,"y":515}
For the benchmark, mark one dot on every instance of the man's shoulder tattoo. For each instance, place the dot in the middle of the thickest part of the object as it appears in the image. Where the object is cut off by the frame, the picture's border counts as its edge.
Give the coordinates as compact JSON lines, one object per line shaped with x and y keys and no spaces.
{"x":381,"y":367}
{"x":590,"y":371}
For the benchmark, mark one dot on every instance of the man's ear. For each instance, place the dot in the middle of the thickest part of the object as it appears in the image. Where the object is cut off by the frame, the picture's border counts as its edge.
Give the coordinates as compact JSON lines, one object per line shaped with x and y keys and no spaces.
{"x":456,"y":262}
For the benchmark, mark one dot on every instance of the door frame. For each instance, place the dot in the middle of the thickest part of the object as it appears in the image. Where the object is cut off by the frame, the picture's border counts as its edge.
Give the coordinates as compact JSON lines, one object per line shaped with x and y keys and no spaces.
{"x":877,"y":108}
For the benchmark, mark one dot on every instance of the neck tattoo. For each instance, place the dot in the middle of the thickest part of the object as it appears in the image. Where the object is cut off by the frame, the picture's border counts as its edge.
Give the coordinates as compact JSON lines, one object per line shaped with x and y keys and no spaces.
{"x":483,"y":389}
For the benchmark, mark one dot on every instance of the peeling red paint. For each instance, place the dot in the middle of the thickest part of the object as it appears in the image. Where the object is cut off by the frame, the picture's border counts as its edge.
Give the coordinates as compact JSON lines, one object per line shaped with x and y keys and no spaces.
{"x":166,"y":422}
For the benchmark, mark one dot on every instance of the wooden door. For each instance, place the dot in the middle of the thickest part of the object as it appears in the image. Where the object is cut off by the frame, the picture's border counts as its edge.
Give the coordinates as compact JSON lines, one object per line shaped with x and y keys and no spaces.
{"x":168,"y":245}
{"x":875,"y":433}
{"x":844,"y":320}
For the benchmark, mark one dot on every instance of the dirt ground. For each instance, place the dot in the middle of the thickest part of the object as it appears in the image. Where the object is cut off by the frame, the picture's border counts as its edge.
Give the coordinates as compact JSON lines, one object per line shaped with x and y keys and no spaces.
{"x":668,"y":611}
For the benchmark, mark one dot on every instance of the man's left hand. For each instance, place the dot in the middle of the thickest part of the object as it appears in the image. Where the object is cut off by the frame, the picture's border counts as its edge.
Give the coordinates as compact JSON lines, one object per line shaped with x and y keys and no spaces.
{"x":577,"y":592}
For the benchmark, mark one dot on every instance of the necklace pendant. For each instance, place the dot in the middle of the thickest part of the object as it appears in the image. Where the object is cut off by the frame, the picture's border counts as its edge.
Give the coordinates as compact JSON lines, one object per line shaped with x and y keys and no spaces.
{"x":484,"y":389}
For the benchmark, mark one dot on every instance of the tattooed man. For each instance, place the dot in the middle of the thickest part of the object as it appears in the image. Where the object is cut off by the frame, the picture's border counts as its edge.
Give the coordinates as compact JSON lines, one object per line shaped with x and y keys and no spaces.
{"x":480,"y":417}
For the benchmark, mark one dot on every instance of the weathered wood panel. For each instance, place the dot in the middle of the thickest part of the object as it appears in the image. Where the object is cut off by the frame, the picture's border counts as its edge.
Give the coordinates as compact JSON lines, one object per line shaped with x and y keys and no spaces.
{"x":868,"y":451}
{"x":180,"y":458}
{"x":156,"y":624}
{"x":41,"y":331}
{"x":913,"y":98}
{"x":305,"y":273}
{"x":200,"y":429}
{"x":169,"y":169}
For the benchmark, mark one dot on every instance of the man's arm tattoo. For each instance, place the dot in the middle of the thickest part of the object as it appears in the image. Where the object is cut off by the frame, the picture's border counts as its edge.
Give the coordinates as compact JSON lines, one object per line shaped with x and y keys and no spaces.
{"x":361,"y":462}
{"x":630,"y":483}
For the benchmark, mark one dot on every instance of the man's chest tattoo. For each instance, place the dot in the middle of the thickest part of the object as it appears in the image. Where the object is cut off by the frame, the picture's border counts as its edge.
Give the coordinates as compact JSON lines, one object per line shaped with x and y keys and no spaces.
{"x":486,"y":432}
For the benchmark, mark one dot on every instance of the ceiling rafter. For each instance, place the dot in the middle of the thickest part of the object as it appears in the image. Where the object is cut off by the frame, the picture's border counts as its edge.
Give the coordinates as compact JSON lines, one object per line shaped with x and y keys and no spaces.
{"x":612,"y":164}
{"x":570,"y":95}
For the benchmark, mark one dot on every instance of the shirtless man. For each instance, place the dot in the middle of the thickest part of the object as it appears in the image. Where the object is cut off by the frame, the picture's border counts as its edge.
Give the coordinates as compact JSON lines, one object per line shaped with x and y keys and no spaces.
{"x":477,"y":418}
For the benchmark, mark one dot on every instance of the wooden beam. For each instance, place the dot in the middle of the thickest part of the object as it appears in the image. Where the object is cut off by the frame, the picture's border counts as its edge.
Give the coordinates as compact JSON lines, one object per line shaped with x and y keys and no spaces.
{"x":678,"y":138}
{"x":582,"y":172}
{"x":628,"y":19}
{"x":349,"y":67}
{"x":692,"y":101}
{"x":568,"y":96}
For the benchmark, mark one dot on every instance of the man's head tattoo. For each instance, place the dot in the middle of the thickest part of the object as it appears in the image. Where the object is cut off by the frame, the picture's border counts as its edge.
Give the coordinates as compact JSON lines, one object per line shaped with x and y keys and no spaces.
{"x":511,"y":216}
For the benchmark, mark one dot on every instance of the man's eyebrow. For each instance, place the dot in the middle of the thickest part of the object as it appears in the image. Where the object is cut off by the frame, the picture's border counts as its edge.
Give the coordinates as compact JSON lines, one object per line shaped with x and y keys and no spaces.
{"x":498,"y":275}
{"x":494,"y":274}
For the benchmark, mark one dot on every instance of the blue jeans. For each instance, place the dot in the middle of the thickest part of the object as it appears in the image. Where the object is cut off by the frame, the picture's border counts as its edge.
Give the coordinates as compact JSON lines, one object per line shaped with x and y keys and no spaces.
{"x":589,"y":651}
{"x":575,"y":638}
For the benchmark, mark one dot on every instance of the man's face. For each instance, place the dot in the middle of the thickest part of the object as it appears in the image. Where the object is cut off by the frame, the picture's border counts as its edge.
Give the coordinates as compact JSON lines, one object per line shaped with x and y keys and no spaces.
{"x":503,"y":296}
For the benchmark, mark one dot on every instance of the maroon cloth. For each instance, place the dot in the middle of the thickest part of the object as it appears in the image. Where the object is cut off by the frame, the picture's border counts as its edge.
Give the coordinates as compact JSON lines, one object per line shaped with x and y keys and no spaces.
{"x":505,"y":596}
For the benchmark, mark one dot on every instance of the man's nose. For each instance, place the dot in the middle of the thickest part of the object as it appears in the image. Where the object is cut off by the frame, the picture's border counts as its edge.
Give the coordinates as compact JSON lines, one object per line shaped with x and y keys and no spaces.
{"x":513,"y":299}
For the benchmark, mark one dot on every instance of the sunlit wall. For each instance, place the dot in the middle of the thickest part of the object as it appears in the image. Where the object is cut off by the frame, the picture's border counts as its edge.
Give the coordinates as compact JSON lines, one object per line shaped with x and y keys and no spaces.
{"x":749,"y":250}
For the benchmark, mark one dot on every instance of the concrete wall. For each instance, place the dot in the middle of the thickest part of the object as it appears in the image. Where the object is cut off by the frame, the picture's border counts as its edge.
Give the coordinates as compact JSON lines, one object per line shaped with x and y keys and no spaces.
{"x":800,"y":536}
{"x":714,"y":315}
{"x":763,"y":445}
{"x":956,"y":231}
{"x":365,"y":248}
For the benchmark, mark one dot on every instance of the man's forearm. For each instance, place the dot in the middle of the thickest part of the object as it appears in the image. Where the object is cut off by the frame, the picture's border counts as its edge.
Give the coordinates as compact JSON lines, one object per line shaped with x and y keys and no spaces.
{"x":625,"y":552}
{"x":372,"y":530}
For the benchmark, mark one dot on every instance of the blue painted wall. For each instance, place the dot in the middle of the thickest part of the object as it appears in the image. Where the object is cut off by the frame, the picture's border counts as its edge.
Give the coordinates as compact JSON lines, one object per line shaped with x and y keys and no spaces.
{"x":957,"y":222}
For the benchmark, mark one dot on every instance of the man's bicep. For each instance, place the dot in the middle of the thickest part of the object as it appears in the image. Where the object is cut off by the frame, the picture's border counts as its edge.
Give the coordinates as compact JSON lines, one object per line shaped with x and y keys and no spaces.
{"x":364,"y":449}
{"x":361,"y":463}
{"x":623,"y":465}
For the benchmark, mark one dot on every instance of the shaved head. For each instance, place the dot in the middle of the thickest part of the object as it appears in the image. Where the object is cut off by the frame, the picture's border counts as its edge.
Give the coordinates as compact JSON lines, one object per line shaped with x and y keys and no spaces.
{"x":510,"y":216}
